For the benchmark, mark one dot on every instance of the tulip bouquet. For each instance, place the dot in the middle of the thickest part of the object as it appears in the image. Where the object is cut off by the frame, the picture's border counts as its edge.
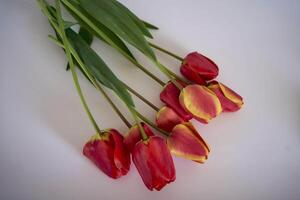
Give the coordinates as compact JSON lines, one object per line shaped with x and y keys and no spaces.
{"x":195,"y":95}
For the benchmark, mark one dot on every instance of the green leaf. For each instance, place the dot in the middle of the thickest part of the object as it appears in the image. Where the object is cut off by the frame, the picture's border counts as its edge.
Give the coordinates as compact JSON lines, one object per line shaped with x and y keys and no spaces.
{"x":111,"y":16}
{"x":86,"y":35}
{"x":52,"y":11}
{"x":98,"y":67}
{"x":137,"y":21}
{"x":68,"y":24}
{"x":108,"y":33}
{"x":150,"y":26}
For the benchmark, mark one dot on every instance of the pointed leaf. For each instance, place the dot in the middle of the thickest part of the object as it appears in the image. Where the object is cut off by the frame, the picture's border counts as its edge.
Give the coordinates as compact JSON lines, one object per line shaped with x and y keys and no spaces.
{"x":137,"y":21}
{"x":68,"y":24}
{"x":110,"y":15}
{"x":86,"y":35}
{"x":150,"y":26}
{"x":98,"y":68}
{"x":114,"y":39}
{"x":52,"y":11}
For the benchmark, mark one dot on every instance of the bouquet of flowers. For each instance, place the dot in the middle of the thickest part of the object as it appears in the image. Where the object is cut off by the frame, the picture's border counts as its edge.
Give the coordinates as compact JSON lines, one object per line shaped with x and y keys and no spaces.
{"x":194,"y":95}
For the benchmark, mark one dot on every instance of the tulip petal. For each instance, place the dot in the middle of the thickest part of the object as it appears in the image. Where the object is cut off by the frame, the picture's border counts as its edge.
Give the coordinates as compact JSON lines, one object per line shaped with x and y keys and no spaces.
{"x":133,"y":136}
{"x":200,"y":102}
{"x":199,"y":68}
{"x":229,"y":99}
{"x":191,"y":74}
{"x":186,"y":142}
{"x":162,"y":158}
{"x":140,"y":157}
{"x":101,"y":152}
{"x":154,"y":162}
{"x":170,"y":96}
{"x":121,"y":154}
{"x":167,"y":118}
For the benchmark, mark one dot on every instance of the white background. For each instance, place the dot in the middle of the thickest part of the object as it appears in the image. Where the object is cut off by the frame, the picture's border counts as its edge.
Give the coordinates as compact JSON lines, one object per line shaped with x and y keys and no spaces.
{"x":255,"y":152}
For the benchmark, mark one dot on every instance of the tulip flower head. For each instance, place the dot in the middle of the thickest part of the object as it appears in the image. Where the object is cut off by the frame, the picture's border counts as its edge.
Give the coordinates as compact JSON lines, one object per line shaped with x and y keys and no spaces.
{"x":151,"y":157}
{"x":198,"y":68}
{"x":170,"y":96}
{"x":184,"y":141}
{"x":167,"y":118}
{"x":229,"y":99}
{"x":133,"y":136}
{"x":154,"y":162}
{"x":200,"y":102}
{"x":108,"y":153}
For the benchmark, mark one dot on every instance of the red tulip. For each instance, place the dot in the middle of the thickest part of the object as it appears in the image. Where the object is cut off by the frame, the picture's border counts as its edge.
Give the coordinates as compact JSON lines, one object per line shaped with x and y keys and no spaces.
{"x":198,"y":68}
{"x":167,"y":118}
{"x":108,"y":153}
{"x":184,"y":141}
{"x":133,"y":136}
{"x":154,"y":162}
{"x":229,"y":99}
{"x":200,"y":102}
{"x":170,"y":96}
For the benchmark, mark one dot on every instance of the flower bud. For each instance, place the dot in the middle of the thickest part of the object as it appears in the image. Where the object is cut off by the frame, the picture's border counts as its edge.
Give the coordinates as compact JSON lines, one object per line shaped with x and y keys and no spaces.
{"x":198,"y":68}
{"x":154,"y":162}
{"x":229,"y":99}
{"x":170,"y":96}
{"x":184,"y":141}
{"x":108,"y":153}
{"x":167,"y":118}
{"x":133,"y":136}
{"x":200,"y":102}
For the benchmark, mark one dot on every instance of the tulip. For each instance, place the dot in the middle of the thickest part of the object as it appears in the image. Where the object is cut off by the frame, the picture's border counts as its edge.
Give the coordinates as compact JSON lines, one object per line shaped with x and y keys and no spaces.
{"x":154,"y":162}
{"x":170,"y":96}
{"x":198,"y":68}
{"x":229,"y":99}
{"x":184,"y":141}
{"x":108,"y":153}
{"x":167,"y":118}
{"x":133,"y":136}
{"x":200,"y":102}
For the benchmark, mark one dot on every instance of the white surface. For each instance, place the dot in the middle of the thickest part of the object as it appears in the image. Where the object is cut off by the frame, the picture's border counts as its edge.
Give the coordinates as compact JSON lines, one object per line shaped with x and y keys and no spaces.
{"x":255,"y":152}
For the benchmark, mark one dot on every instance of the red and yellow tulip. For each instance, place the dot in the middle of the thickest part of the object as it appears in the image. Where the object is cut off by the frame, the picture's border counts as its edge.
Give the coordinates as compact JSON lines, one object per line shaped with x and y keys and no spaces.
{"x":154,"y":162}
{"x":167,"y":118}
{"x":133,"y":136}
{"x":170,"y":96}
{"x":200,"y":102}
{"x":198,"y":68}
{"x":229,"y":99}
{"x":108,"y":153}
{"x":184,"y":141}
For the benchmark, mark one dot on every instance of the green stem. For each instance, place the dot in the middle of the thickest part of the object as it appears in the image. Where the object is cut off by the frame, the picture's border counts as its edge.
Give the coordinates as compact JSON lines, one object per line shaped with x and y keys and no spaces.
{"x":128,"y":87}
{"x":172,"y":78}
{"x":74,"y":74}
{"x":141,"y":97}
{"x":70,"y":51}
{"x":138,"y":122}
{"x":81,"y":65}
{"x":94,"y":82}
{"x":148,"y":121}
{"x":141,"y":67}
{"x":105,"y":94}
{"x":163,"y":69}
{"x":166,"y":51}
{"x":108,"y":40}
{"x":174,"y":75}
{"x":115,"y":108}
